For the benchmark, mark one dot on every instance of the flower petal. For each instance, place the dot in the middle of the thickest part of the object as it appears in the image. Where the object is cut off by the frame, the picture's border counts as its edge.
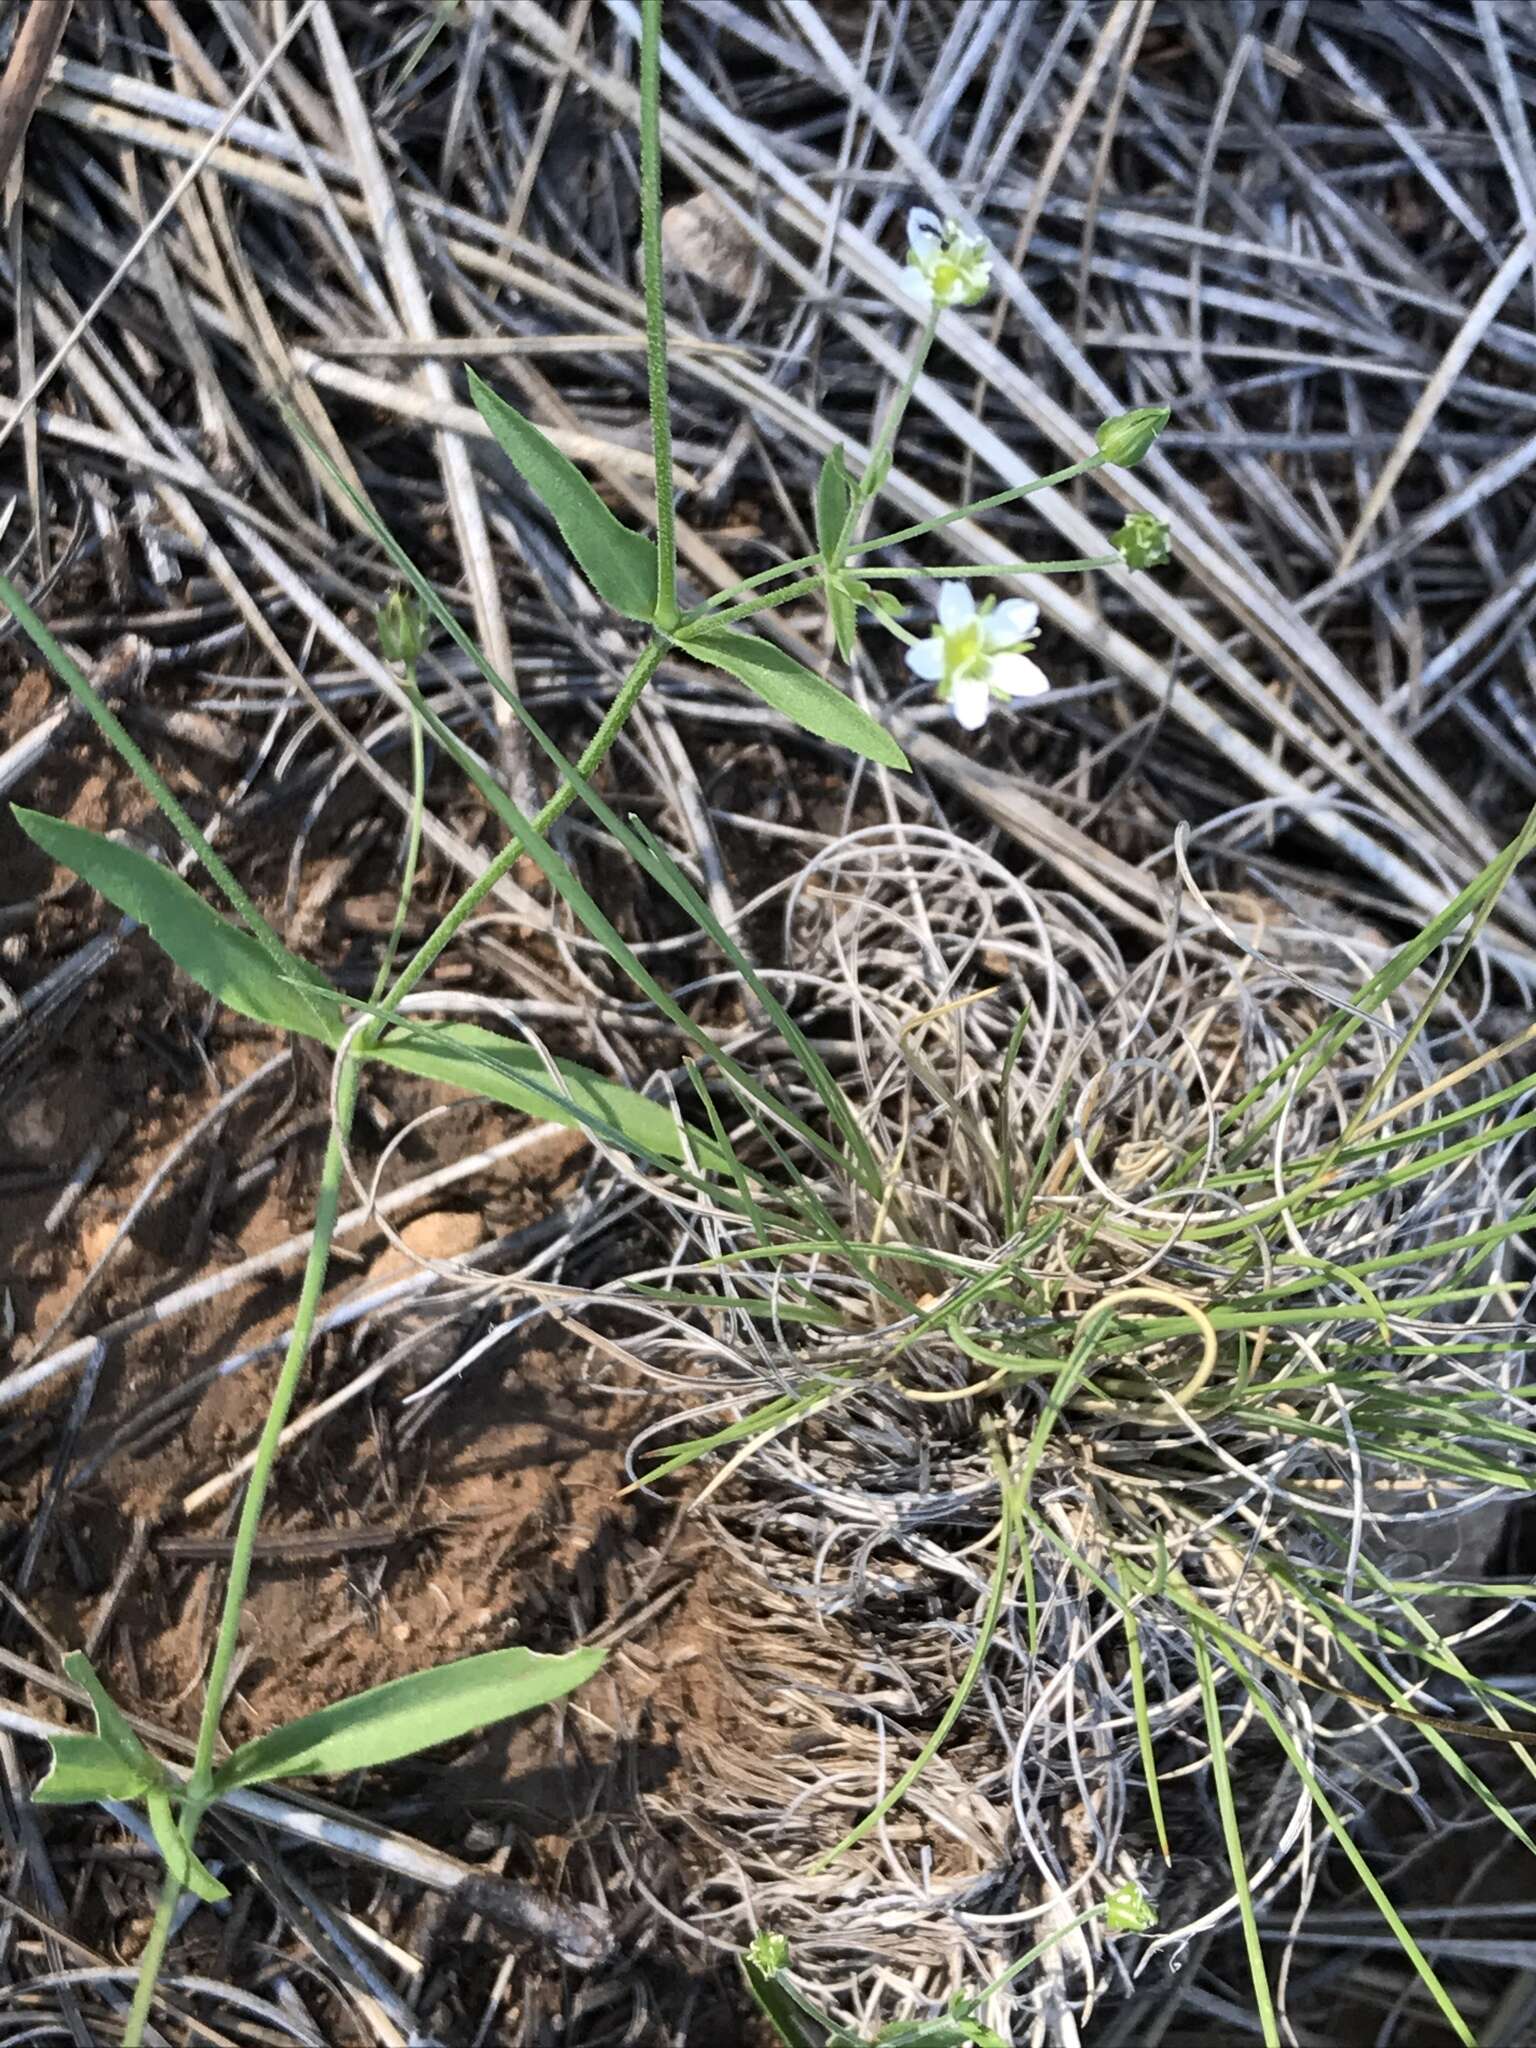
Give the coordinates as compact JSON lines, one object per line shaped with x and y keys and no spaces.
{"x":915,"y":284}
{"x":971,"y":701}
{"x":925,"y":232}
{"x":1017,"y":676}
{"x":926,"y":659}
{"x":1014,"y":620}
{"x":957,"y":607}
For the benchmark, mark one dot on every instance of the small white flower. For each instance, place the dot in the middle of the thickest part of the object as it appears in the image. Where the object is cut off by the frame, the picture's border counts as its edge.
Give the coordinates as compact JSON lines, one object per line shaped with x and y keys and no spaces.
{"x":945,"y":265}
{"x":975,"y":654}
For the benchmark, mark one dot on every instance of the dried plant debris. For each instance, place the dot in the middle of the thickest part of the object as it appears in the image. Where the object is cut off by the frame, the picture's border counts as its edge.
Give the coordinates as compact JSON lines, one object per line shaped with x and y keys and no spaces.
{"x":943,"y":1501}
{"x":249,"y":256}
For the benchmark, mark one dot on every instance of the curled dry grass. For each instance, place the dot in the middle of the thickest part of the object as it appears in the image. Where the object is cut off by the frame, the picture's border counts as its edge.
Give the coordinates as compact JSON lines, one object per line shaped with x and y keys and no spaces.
{"x":1153,"y":1368}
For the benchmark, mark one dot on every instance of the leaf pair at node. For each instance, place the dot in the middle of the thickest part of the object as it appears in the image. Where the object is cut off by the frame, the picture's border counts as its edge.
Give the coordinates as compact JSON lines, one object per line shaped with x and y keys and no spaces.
{"x":272,"y":986}
{"x":372,"y":1728}
{"x":623,"y":568}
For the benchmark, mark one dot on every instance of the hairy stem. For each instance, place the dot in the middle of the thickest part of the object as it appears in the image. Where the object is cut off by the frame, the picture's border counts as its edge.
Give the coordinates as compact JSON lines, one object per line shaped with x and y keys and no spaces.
{"x":890,"y":427}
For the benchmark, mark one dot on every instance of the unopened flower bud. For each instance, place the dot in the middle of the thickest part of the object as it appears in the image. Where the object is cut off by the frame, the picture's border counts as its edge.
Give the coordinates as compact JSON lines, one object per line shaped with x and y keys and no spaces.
{"x":1128,"y":1911}
{"x":402,"y":628}
{"x":1126,"y":438}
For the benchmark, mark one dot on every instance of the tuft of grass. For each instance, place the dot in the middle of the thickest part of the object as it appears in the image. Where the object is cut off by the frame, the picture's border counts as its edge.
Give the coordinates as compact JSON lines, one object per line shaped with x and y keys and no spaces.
{"x":1200,"y":1279}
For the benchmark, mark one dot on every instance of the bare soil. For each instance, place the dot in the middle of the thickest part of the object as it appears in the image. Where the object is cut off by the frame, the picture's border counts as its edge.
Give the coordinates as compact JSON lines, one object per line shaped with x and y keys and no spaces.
{"x":386,"y":1548}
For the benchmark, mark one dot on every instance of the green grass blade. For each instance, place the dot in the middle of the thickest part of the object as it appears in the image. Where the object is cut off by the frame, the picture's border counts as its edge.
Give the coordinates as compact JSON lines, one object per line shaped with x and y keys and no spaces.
{"x":1232,"y":1834}
{"x":1340,"y":1832}
{"x":952,"y":1713}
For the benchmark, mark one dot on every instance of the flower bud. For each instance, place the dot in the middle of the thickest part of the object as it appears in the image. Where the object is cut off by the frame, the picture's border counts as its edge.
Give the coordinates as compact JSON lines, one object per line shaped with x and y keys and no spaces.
{"x":402,"y":628}
{"x":1142,"y":541}
{"x":1126,"y":438}
{"x":768,"y":1953}
{"x":1127,"y":1911}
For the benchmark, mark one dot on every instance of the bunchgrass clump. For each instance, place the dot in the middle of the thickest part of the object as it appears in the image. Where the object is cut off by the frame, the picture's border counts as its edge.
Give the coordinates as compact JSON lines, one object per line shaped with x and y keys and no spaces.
{"x":1095,"y":1377}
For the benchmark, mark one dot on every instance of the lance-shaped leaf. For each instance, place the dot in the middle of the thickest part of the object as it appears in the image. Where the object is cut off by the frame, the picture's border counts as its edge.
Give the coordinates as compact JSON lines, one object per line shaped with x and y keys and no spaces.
{"x":86,"y":1769}
{"x":181,"y":1860}
{"x":488,"y":1063}
{"x":219,"y":957}
{"x":809,"y":700}
{"x":111,"y":1764}
{"x":620,"y":564}
{"x":408,"y":1714}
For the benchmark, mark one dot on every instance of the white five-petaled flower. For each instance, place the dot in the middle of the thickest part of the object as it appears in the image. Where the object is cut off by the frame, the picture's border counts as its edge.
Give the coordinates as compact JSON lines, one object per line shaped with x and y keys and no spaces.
{"x":945,"y":265}
{"x":975,"y":654}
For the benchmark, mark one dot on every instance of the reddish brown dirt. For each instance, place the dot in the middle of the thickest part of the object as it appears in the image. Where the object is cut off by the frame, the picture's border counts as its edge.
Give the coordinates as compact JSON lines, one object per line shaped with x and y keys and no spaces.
{"x":501,"y":1521}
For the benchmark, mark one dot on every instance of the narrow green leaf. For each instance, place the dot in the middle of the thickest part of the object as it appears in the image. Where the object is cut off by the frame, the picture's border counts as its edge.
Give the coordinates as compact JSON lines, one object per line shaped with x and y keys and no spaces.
{"x":845,"y":618}
{"x":488,"y":1063}
{"x":181,"y":1860}
{"x":779,"y":680}
{"x":797,"y":2024}
{"x":111,"y":1724}
{"x":1144,"y":1733}
{"x":227,"y":962}
{"x":1339,"y":1828}
{"x":1236,"y":1858}
{"x":962,"y":1692}
{"x":112,"y":728}
{"x":945,"y":2033}
{"x":620,"y":564}
{"x":774,"y":1414}
{"x":86,"y":1769}
{"x":408,"y":1714}
{"x":834,"y":497}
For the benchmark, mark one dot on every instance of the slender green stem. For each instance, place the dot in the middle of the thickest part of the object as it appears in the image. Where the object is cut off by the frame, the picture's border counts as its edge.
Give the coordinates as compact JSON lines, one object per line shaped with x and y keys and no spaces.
{"x":656,"y":310}
{"x":800,"y":563}
{"x":1040,"y":1948}
{"x":200,"y":1784}
{"x":412,"y":844}
{"x":992,"y":569}
{"x":590,"y":760}
{"x":788,"y":593}
{"x":763,"y":601}
{"x":150,"y":1962}
{"x":885,"y":440}
{"x":962,"y":1692}
{"x":998,"y":498}
{"x":707,"y":609}
{"x":327,"y":1208}
{"x":895,"y":628}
